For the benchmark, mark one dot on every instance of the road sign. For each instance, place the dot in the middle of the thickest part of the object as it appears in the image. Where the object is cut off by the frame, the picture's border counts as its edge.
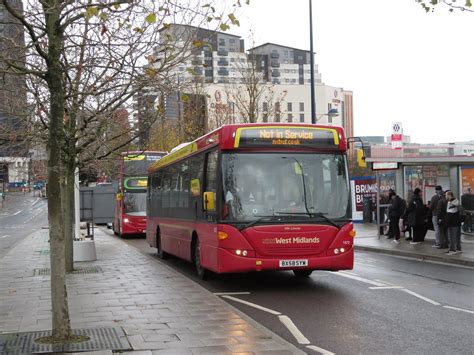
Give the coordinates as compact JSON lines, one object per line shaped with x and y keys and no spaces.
{"x":397,"y":135}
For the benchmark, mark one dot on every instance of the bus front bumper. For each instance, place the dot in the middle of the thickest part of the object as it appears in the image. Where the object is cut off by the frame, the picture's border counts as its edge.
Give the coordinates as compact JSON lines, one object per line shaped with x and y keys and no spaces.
{"x":229,"y":262}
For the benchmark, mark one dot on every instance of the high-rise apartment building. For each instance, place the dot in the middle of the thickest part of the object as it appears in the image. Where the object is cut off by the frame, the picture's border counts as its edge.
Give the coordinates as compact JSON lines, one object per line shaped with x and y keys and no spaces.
{"x":216,"y":66}
{"x":284,"y":65}
{"x":12,"y":86}
{"x":13,"y":101}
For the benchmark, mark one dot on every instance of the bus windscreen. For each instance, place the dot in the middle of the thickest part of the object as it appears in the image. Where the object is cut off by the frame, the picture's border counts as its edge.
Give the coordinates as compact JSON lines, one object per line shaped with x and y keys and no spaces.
{"x":137,"y":163}
{"x":134,"y":203}
{"x":259,"y":185}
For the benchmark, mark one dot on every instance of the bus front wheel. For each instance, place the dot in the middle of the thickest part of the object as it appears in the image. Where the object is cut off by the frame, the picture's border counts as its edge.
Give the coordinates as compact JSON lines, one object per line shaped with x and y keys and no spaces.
{"x":302,"y":273}
{"x":161,"y":253}
{"x":201,"y":272}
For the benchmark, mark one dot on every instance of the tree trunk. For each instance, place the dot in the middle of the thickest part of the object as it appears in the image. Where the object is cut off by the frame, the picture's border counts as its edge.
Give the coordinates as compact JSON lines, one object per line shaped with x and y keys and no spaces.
{"x":59,"y":304}
{"x":68,"y":193}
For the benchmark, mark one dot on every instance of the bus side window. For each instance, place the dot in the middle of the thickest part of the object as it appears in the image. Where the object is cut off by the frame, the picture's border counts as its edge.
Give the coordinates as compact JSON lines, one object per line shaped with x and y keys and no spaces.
{"x":211,"y":174}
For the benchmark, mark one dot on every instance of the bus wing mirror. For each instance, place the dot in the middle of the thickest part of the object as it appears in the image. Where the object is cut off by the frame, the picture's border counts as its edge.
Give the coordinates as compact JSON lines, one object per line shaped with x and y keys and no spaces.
{"x":209,"y":198}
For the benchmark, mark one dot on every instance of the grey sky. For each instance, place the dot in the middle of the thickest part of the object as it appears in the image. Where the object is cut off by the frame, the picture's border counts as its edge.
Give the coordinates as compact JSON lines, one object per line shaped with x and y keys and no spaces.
{"x":402,"y":63}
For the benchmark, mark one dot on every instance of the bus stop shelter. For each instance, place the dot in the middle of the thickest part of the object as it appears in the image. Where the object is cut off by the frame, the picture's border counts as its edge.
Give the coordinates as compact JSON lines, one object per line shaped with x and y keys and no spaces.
{"x":425,"y":167}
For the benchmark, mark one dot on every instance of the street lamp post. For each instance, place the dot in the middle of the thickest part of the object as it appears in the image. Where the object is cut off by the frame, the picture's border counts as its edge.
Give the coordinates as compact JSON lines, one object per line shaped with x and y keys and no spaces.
{"x":313,"y":100}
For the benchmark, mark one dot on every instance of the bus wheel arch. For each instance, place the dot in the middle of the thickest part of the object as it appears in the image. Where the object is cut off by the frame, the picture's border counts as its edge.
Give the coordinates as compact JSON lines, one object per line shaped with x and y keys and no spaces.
{"x":161,"y":254}
{"x":196,"y":257}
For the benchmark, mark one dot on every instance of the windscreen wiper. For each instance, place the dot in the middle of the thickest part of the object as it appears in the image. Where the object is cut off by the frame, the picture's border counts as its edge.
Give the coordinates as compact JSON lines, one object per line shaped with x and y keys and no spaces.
{"x":272,"y":218}
{"x":310,"y":214}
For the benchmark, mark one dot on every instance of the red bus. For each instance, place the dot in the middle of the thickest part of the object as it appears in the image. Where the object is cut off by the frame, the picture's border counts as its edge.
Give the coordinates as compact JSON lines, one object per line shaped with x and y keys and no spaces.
{"x":130,"y":202}
{"x":253,"y":197}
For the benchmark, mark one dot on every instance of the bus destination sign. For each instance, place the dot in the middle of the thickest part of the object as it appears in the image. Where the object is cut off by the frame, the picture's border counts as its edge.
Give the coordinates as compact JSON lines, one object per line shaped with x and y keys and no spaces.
{"x":272,"y":136}
{"x":135,"y":183}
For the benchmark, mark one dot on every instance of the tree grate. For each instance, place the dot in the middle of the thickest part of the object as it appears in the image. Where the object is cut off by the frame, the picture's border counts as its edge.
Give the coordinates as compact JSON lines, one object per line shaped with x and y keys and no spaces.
{"x":79,"y":270}
{"x":112,"y":338}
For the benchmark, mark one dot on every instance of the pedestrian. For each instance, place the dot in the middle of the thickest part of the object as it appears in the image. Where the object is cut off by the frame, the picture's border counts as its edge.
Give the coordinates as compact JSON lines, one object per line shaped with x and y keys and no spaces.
{"x":454,"y":224}
{"x":441,"y":208}
{"x":384,"y":200}
{"x":433,"y":210}
{"x":416,"y":217}
{"x":395,"y":211}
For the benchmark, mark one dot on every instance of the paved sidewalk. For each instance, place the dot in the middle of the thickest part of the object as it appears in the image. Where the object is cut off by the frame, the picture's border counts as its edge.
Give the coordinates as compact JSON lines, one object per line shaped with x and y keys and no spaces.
{"x":367,"y":239}
{"x":160,"y":310}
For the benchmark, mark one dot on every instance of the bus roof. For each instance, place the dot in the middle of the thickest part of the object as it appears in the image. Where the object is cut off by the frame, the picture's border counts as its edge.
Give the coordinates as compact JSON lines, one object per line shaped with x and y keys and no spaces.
{"x":143,"y":152}
{"x":276,"y":136}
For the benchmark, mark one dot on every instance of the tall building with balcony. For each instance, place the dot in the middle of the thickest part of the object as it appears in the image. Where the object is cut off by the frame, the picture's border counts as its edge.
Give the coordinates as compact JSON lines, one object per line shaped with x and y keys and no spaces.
{"x":215,"y":65}
{"x":284,"y":65}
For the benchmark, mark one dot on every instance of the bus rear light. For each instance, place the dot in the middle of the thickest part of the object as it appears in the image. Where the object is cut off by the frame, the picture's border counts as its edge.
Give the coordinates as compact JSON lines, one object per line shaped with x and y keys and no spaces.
{"x":222,"y":235}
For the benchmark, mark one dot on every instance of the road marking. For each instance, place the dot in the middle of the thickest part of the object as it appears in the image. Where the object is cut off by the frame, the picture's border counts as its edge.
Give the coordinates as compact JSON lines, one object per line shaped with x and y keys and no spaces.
{"x":358,"y":278}
{"x":421,"y":297}
{"x":319,"y":350}
{"x":287,"y":322}
{"x":5,"y":236}
{"x":385,"y":287}
{"x":14,"y":214}
{"x":459,"y":309}
{"x":231,"y":293}
{"x":268,"y":310}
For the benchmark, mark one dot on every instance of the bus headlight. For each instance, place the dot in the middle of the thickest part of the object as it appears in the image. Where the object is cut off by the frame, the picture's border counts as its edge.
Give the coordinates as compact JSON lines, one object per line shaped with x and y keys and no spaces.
{"x":240,"y":252}
{"x":126,"y":220}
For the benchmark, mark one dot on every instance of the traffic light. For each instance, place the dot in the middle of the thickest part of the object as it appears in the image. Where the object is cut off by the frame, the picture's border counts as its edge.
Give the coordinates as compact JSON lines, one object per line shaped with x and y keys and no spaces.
{"x":361,"y":158}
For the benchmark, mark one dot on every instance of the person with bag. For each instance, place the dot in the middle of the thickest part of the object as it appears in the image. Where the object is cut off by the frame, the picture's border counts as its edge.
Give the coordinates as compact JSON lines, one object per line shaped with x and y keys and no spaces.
{"x":454,"y":224}
{"x":416,"y":217}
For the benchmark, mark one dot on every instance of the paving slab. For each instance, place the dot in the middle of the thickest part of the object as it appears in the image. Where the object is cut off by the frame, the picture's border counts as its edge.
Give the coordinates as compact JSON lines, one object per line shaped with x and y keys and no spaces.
{"x":367,"y":240}
{"x":160,"y":310}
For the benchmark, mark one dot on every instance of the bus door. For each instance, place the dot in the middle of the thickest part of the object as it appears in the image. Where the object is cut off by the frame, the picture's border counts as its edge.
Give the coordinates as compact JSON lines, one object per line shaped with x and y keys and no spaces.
{"x":208,"y":229}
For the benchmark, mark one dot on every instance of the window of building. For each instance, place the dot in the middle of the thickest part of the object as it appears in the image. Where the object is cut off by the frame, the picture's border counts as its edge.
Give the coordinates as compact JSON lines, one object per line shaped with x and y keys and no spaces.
{"x":290,"y":117}
{"x":301,"y":106}
{"x":289,"y":106}
{"x":301,"y":117}
{"x":265,"y":106}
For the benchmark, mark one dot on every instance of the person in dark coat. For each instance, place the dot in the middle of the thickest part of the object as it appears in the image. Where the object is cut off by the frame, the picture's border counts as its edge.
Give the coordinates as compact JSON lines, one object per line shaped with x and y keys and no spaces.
{"x":434,"y":217}
{"x":395,"y":211}
{"x":416,"y":214}
{"x":441,"y":208}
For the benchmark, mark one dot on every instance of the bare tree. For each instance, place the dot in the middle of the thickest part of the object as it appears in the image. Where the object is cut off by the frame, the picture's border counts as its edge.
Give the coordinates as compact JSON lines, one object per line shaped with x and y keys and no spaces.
{"x":83,"y":62}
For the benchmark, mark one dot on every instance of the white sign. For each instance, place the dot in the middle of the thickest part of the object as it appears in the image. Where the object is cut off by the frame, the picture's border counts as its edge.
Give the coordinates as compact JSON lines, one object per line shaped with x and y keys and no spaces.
{"x":384,"y":165}
{"x":397,"y":135}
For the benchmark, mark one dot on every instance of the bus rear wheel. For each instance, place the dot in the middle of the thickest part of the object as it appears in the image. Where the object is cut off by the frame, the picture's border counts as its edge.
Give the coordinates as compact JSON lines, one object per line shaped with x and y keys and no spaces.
{"x":201,"y":272}
{"x":161,"y":253}
{"x":302,"y":273}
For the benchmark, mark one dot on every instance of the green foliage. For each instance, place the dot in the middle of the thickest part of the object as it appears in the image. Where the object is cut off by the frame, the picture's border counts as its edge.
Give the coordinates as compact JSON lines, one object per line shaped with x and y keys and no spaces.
{"x":151,"y":18}
{"x":91,"y":11}
{"x":430,"y":5}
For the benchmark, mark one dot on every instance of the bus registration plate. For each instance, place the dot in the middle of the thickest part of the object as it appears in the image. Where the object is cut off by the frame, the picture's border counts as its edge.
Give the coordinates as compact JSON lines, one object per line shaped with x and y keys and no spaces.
{"x":293,"y":263}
